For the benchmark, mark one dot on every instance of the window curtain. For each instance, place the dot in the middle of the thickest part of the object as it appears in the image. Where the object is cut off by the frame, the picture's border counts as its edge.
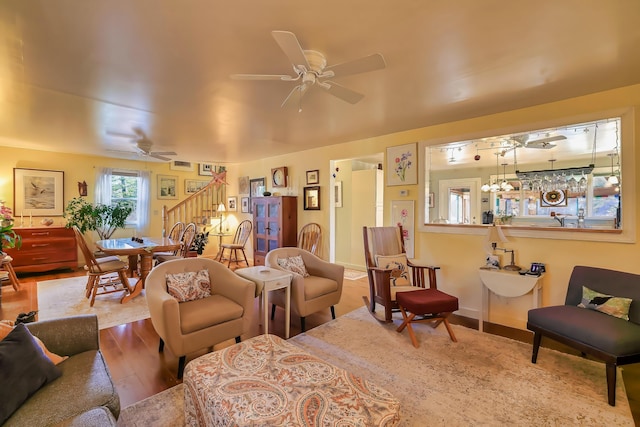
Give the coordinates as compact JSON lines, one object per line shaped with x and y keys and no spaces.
{"x":103,"y":194}
{"x":143,"y":201}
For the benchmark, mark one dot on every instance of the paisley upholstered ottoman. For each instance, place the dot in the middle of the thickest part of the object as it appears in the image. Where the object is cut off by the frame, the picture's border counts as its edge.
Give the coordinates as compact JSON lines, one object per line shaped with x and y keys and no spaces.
{"x":266,"y":381}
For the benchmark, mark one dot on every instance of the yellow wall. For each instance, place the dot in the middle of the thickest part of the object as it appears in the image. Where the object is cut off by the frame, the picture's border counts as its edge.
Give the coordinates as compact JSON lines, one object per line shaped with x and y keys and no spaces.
{"x":458,"y":255}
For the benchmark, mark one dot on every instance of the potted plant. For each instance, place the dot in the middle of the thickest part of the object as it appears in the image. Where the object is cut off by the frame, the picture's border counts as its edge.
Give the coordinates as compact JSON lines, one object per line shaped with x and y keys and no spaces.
{"x":8,"y":236}
{"x":104,"y":219}
{"x":199,"y":242}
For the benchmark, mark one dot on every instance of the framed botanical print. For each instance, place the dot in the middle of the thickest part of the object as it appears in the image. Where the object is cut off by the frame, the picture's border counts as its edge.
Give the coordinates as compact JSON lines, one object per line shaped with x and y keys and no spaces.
{"x":243,"y":185}
{"x":167,"y":187}
{"x":38,"y":192}
{"x":402,"y":165}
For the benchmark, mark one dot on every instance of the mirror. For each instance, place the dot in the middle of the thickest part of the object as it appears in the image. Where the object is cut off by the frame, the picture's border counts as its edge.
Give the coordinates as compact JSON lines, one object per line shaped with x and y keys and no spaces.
{"x":568,"y":177}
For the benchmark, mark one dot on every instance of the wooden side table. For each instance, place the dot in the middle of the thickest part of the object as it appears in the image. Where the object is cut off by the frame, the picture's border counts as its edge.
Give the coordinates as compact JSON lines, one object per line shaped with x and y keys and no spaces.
{"x":508,"y":284}
{"x":270,"y":279}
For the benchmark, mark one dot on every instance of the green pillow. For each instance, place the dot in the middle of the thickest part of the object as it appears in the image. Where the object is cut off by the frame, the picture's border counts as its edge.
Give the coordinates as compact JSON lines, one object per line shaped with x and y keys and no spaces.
{"x":607,"y":304}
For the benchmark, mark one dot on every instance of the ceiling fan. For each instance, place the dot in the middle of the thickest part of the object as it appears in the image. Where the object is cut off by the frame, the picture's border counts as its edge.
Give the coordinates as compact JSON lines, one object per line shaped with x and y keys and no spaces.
{"x":310,"y":69}
{"x":143,"y":144}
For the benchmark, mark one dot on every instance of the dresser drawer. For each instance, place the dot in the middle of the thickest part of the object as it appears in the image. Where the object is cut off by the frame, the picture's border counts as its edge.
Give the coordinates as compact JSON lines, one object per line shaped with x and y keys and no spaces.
{"x":52,"y":244}
{"x":45,"y":233}
{"x":44,"y":257}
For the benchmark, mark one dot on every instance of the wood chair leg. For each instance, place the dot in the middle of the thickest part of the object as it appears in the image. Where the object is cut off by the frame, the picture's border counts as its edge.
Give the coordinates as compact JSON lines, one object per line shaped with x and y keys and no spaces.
{"x":245,"y":257}
{"x":96,"y":283}
{"x":230,"y":256}
{"x":15,"y":283}
{"x":89,"y":288}
{"x":181,"y":361}
{"x":449,"y":329}
{"x":407,"y":323}
{"x":611,"y":383}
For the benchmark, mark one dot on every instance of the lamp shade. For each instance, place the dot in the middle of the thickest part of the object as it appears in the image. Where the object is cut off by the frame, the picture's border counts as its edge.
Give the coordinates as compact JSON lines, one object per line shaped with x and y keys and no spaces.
{"x":494,"y":235}
{"x":221,"y":208}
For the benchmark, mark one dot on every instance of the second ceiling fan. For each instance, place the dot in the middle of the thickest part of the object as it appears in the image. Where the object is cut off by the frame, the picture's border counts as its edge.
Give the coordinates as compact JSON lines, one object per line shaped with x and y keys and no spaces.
{"x":310,"y":69}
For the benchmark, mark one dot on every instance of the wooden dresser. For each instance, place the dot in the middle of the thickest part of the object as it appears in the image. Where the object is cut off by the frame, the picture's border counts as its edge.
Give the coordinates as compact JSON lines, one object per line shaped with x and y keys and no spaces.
{"x":44,"y":249}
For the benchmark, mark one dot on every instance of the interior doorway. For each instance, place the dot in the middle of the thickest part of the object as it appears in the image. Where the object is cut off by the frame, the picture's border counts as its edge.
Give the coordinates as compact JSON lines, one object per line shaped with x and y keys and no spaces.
{"x":357,"y":201}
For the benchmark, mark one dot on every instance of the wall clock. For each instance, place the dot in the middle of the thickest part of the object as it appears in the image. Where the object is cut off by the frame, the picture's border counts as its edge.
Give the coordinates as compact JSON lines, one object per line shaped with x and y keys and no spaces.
{"x":279,"y":177}
{"x":553,"y":198}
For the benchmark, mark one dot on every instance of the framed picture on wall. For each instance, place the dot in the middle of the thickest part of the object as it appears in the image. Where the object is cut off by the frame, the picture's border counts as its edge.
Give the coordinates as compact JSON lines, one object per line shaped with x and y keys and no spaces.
{"x":257,"y":187}
{"x":313,"y":177}
{"x":243,"y":185}
{"x":205,"y":169}
{"x":402,"y":165}
{"x":192,"y":186}
{"x":245,"y":205}
{"x":402,"y":214}
{"x":232,"y":204}
{"x":167,"y":187}
{"x":38,"y":192}
{"x":312,"y":198}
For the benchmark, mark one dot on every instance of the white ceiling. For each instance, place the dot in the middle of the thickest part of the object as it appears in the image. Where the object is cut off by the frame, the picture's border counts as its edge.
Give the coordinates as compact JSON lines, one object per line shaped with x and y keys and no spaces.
{"x":72,"y":69}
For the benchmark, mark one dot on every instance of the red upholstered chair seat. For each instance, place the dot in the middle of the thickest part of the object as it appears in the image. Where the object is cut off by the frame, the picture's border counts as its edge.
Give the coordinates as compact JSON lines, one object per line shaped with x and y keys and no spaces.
{"x":431,"y":303}
{"x":427,"y":301}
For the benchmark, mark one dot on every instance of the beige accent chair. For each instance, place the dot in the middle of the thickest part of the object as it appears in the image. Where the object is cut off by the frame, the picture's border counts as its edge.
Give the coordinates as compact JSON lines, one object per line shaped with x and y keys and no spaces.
{"x":190,"y":326}
{"x":322,"y":289}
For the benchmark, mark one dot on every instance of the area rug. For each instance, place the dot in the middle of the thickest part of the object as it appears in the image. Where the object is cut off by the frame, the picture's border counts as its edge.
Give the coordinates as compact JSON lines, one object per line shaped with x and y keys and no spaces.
{"x":354,"y":274}
{"x":65,"y":297}
{"x":482,"y":379}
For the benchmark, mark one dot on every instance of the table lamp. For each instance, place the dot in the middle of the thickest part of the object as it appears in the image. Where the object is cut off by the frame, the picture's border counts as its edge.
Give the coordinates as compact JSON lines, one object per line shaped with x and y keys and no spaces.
{"x":221,"y":209}
{"x":496,"y":235}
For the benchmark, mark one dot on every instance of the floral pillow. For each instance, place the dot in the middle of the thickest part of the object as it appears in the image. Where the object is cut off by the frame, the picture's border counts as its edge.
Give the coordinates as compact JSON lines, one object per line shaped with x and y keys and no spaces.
{"x":294,"y":264}
{"x":607,"y":304}
{"x":189,"y":286}
{"x":398,"y":266}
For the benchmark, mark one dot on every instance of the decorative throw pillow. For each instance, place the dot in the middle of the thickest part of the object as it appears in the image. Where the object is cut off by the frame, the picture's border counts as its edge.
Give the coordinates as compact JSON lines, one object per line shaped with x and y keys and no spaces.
{"x":6,"y":327}
{"x":24,"y":368}
{"x":398,"y":266}
{"x":294,"y":264}
{"x":608,"y":304}
{"x":189,"y":286}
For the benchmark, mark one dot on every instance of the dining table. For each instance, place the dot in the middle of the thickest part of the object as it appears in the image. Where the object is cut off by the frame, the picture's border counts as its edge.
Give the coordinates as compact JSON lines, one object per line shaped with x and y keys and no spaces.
{"x":138,"y":248}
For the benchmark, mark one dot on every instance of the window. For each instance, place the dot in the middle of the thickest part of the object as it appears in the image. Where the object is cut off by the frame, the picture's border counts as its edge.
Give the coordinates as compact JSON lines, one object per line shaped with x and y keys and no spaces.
{"x":131,"y":187}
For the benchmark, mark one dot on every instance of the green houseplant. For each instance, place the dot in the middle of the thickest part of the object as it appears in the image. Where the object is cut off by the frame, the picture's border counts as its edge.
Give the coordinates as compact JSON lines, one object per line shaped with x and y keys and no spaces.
{"x":104,"y":219}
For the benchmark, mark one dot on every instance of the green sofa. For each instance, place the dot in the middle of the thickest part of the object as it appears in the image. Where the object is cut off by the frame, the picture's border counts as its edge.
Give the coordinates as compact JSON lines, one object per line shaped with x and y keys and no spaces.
{"x":84,"y":394}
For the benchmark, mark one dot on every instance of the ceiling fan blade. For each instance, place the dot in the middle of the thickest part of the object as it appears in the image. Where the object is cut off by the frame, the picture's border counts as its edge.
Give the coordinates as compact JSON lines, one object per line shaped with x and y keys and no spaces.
{"x":295,"y":95}
{"x":164,"y":153}
{"x":362,"y":65}
{"x":283,"y":77}
{"x":120,"y":134}
{"x":157,"y":156}
{"x":341,"y":92}
{"x":289,"y":44}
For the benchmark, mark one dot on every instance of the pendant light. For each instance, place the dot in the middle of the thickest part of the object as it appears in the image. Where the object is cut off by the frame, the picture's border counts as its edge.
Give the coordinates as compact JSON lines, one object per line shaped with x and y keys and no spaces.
{"x":504,"y":185}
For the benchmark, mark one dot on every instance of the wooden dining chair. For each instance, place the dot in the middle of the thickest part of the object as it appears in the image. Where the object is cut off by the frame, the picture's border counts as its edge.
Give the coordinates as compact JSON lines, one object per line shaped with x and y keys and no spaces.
{"x":105,"y":275}
{"x":186,"y":239}
{"x":243,"y":232}
{"x":175,"y":234}
{"x":310,"y":237}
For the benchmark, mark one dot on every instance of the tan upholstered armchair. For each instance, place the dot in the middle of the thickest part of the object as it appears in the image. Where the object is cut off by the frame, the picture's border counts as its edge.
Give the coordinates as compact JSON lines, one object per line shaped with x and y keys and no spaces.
{"x":322,"y":289}
{"x":202,"y":323}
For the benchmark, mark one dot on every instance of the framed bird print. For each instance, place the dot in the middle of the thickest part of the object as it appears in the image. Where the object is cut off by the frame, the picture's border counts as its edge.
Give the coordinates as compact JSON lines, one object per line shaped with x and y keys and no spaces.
{"x":38,"y":192}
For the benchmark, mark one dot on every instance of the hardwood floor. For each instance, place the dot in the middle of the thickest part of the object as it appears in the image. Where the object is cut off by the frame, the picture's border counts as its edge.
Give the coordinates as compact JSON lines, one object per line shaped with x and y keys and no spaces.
{"x":139,"y":370}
